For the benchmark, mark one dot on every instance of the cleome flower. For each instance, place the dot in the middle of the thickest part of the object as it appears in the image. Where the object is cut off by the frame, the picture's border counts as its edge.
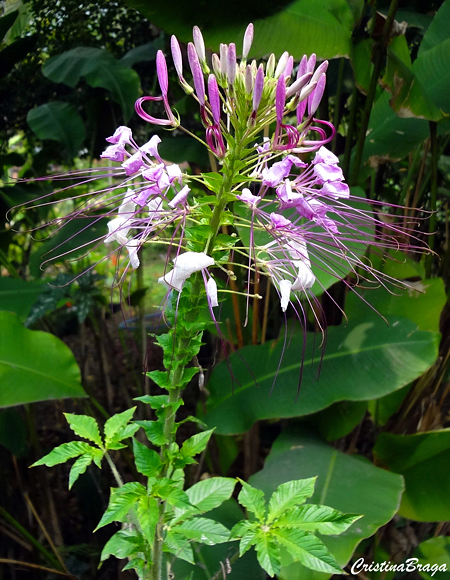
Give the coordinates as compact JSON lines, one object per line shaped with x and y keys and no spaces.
{"x":296,"y":220}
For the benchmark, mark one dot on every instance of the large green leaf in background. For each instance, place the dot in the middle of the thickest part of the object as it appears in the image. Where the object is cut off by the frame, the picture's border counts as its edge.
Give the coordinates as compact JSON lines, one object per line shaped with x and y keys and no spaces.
{"x":100,"y":69}
{"x":18,"y":296}
{"x":361,"y":362}
{"x":60,"y":122}
{"x":303,"y":27}
{"x":34,"y":365}
{"x":422,"y":303}
{"x":423,"y":459}
{"x":346,"y":483}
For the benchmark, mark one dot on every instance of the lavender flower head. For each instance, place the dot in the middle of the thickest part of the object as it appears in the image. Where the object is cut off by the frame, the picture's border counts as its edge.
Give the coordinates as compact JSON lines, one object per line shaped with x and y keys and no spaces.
{"x":282,"y":191}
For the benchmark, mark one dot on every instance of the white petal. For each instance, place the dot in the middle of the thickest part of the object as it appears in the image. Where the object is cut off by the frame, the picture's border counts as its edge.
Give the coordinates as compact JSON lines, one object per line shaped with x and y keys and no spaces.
{"x":285,"y":293}
{"x":133,"y":246}
{"x":117,"y":231}
{"x":305,"y":278}
{"x":172,"y":280}
{"x":190,"y":262}
{"x":211,"y":291}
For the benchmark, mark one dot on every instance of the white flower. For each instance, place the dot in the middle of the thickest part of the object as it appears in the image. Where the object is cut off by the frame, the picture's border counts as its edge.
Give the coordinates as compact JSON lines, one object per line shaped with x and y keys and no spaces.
{"x":185,"y":265}
{"x":119,"y":227}
{"x":211,"y":292}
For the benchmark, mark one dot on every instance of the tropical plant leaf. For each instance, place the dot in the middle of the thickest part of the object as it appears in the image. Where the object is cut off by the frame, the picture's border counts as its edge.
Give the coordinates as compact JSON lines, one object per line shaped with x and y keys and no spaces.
{"x":387,"y":358}
{"x":60,"y":122}
{"x":416,"y":457}
{"x":100,"y":69}
{"x":34,"y":365}
{"x":268,"y":553}
{"x":18,"y":295}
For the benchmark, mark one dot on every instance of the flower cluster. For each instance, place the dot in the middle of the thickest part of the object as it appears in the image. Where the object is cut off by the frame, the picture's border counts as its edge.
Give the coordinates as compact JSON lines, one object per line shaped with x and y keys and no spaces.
{"x":296,"y":217}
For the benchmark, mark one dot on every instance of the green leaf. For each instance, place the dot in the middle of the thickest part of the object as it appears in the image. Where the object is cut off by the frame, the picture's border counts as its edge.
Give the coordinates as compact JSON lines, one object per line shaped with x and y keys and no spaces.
{"x":289,"y":495}
{"x":63,"y":453}
{"x":435,"y":551}
{"x":317,"y":518}
{"x":304,"y":26}
{"x":416,"y":457}
{"x":85,"y":427}
{"x":253,"y":500}
{"x":268,"y":553}
{"x":179,"y":546}
{"x":196,"y":444}
{"x":18,"y":296}
{"x":122,"y":500}
{"x":422,"y":304}
{"x":154,"y":431}
{"x":210,"y":493}
{"x":34,"y":365}
{"x":148,"y":516}
{"x":437,"y":32}
{"x":122,"y":544}
{"x":115,"y":426}
{"x":308,"y":550}
{"x":386,"y":359}
{"x":147,"y":460}
{"x":79,"y":467}
{"x":338,"y":419}
{"x":346,"y":483}
{"x":409,"y":97}
{"x":203,"y":530}
{"x":100,"y":69}
{"x":59,"y":122}
{"x":142,"y":53}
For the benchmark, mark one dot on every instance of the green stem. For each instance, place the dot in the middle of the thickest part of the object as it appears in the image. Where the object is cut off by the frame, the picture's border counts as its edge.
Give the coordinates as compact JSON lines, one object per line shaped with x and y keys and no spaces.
{"x":379,"y":53}
{"x":350,"y":132}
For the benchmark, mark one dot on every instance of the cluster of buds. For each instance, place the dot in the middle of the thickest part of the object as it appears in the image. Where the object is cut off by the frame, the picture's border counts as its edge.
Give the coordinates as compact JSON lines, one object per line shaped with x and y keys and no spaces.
{"x":244,"y":98}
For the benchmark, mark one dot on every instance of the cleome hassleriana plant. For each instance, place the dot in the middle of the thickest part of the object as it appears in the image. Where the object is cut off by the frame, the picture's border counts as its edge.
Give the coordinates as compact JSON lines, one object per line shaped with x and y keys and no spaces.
{"x":282,"y":194}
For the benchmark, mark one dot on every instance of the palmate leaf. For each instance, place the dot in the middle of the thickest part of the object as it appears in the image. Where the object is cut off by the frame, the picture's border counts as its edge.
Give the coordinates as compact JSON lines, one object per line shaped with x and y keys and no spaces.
{"x":63,"y":453}
{"x":85,"y":427}
{"x":253,"y":500}
{"x":317,"y":518}
{"x":307,"y":549}
{"x":289,"y":495}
